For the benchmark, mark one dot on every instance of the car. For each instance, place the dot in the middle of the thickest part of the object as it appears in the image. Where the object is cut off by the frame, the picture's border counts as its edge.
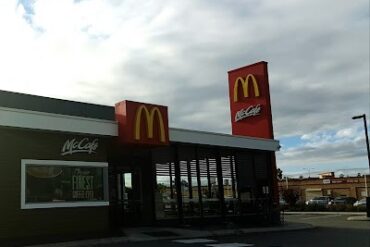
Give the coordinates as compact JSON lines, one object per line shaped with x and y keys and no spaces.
{"x":343,"y":200}
{"x":282,"y":202}
{"x":360,"y":203}
{"x":320,"y":200}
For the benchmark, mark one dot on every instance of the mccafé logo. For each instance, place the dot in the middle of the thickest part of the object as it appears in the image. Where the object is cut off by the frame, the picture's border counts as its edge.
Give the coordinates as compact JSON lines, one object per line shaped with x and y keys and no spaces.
{"x":143,"y":112}
{"x":82,"y":146}
{"x":245,"y":86}
{"x":253,"y":110}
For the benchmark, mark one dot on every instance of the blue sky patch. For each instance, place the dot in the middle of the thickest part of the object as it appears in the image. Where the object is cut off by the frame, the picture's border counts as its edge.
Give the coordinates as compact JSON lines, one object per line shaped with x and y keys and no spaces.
{"x":291,"y":141}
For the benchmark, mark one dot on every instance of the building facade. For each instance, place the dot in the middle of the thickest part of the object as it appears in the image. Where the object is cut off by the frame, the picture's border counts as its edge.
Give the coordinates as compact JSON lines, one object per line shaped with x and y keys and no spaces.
{"x":307,"y":188}
{"x":75,"y":168}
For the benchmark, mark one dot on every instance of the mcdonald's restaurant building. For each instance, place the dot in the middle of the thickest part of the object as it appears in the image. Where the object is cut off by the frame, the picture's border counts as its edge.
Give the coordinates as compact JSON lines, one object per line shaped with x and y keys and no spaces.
{"x":70,"y":168}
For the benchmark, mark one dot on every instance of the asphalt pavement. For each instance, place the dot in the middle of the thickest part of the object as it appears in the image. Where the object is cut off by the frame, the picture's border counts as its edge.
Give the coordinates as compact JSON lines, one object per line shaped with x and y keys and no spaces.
{"x":299,"y":230}
{"x":146,"y":236}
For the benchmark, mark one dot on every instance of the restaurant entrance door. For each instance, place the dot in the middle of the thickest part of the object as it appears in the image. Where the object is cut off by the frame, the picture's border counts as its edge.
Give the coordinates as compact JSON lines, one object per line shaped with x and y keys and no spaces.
{"x":129,"y":196}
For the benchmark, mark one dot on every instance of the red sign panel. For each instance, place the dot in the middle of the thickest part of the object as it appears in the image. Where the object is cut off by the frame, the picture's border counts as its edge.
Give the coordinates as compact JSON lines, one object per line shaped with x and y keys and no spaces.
{"x":141,"y":123}
{"x":250,"y":101}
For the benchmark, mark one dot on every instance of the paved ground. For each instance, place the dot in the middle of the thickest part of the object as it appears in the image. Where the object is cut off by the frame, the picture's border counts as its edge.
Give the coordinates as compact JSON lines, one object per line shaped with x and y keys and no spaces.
{"x":329,"y":230}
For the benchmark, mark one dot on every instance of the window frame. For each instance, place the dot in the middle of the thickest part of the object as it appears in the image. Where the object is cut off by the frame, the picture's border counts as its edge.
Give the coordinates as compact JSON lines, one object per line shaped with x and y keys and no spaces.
{"x":25,"y":162}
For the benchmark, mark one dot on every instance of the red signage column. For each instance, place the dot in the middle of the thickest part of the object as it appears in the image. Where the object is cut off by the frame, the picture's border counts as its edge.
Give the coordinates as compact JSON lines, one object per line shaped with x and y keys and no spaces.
{"x":250,"y":101}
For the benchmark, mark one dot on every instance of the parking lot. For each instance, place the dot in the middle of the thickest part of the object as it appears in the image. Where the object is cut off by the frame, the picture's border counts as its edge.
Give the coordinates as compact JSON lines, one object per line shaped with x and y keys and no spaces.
{"x":330,"y":230}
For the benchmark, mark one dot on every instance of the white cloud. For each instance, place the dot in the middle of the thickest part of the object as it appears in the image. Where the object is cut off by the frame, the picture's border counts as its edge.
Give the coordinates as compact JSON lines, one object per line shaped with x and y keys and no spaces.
{"x":345,"y":145}
{"x":345,"y":133}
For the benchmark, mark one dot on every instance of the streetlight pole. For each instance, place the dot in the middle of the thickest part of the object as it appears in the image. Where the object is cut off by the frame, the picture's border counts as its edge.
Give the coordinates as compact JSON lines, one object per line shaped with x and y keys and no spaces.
{"x":286,"y":182}
{"x":309,"y":171}
{"x":363,"y":116}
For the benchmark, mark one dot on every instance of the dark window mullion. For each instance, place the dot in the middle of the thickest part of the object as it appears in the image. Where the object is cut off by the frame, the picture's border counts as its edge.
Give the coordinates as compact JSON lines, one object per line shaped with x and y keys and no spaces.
{"x":220,"y":184}
{"x":209,"y":179}
{"x":190,"y":187}
{"x":232,"y":176}
{"x":198,"y":181}
{"x":178,"y":185}
{"x":171,"y":179}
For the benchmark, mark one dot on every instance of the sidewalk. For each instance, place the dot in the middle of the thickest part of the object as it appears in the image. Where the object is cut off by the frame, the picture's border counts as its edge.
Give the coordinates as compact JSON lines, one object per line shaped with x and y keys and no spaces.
{"x":323,"y":213}
{"x":162,"y":233}
{"x":359,"y":218}
{"x":353,"y":216}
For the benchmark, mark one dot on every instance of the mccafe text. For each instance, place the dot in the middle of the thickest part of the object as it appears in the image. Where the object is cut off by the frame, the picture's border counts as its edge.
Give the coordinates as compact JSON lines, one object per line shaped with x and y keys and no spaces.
{"x":82,"y":146}
{"x":253,"y":110}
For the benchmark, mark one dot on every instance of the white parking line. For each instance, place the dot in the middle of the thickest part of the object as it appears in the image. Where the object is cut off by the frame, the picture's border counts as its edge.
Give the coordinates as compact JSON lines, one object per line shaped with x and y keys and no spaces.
{"x":194,"y":241}
{"x":230,"y":245}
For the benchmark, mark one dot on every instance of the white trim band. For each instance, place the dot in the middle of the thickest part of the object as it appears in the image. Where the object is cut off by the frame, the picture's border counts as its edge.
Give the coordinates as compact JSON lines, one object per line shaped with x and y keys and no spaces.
{"x":224,"y":140}
{"x":64,"y":205}
{"x":11,"y":117}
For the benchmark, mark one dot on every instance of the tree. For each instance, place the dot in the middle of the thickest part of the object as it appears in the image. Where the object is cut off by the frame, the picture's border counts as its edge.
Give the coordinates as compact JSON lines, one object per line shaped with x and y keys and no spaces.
{"x":161,"y":188}
{"x":290,"y":196}
{"x":279,"y":174}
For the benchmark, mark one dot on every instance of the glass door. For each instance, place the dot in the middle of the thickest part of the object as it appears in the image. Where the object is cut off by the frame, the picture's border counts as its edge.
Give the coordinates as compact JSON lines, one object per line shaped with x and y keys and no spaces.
{"x":129,"y":196}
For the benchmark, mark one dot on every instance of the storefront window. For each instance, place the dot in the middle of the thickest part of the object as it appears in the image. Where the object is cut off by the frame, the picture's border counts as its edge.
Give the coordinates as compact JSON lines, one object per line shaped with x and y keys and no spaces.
{"x":63,"y":184}
{"x":189,"y":189}
{"x":209,"y":187}
{"x":165,"y":197}
{"x":229,"y":185}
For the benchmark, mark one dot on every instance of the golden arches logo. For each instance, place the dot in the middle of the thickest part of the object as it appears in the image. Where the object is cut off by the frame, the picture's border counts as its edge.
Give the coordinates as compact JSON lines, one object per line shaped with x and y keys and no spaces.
{"x":149,"y":116}
{"x":245,"y":84}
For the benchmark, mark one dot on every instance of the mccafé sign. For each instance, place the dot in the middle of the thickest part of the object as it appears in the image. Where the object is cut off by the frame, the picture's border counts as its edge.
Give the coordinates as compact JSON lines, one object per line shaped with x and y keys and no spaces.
{"x":140,"y":123}
{"x":250,"y":101}
{"x":84,"y":145}
{"x":248,"y":112}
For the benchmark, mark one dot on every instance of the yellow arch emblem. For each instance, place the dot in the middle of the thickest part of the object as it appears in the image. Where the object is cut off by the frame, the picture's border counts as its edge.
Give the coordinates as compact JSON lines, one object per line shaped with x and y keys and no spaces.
{"x":149,"y":115}
{"x":245,"y":84}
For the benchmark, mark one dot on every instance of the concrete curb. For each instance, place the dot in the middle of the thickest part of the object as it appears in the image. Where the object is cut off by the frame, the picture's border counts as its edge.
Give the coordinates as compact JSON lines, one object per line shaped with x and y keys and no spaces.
{"x":283,"y":228}
{"x":324,"y":213}
{"x":89,"y":242}
{"x":139,"y":236}
{"x":359,"y":218}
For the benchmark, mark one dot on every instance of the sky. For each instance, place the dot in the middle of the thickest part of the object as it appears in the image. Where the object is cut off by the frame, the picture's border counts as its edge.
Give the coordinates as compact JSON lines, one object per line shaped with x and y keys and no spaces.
{"x":177,"y":53}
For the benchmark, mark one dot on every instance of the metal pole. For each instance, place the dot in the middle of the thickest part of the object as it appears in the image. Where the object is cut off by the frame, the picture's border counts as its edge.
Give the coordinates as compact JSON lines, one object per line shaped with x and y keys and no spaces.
{"x":286,"y":182}
{"x":368,"y":158}
{"x":363,"y":116}
{"x":367,"y":140}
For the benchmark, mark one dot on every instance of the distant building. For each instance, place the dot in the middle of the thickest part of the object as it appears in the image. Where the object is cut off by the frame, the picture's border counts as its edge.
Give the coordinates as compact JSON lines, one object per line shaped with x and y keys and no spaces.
{"x":326,"y":175}
{"x":326,"y":184}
